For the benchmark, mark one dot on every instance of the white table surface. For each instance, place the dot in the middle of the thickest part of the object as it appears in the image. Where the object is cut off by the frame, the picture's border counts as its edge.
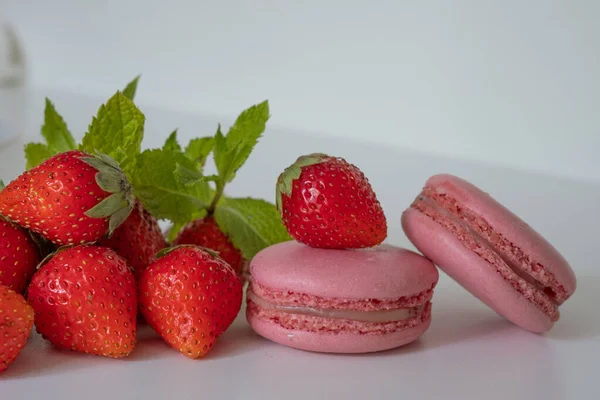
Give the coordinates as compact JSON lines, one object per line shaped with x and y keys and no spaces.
{"x":469,"y":352}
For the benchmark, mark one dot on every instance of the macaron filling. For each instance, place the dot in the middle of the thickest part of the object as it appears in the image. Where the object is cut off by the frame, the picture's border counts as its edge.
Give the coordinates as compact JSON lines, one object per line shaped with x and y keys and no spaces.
{"x":379,"y":316}
{"x":527,"y":276}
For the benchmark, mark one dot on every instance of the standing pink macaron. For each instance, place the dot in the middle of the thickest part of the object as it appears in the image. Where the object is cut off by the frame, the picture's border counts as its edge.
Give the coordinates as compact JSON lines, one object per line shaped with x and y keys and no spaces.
{"x":340,"y":301}
{"x":491,"y":252}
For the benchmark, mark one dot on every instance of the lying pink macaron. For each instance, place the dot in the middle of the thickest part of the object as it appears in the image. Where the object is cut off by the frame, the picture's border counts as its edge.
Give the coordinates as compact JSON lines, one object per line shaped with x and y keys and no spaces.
{"x":340,"y":301}
{"x":489,"y":251}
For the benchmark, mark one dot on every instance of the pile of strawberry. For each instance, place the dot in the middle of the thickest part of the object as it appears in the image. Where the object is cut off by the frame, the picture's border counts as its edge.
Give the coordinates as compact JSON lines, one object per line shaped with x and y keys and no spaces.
{"x":82,"y":254}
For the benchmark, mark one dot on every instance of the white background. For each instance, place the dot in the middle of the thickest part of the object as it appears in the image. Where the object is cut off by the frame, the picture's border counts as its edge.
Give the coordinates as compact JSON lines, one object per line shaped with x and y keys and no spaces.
{"x":509,"y":82}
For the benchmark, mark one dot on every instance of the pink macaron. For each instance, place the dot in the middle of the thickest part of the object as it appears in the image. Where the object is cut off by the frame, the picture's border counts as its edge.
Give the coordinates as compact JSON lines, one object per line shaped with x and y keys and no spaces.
{"x":490,"y":251}
{"x":340,"y":301}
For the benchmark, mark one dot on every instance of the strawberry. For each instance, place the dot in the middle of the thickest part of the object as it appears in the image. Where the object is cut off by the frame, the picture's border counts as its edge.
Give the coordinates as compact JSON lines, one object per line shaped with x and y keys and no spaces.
{"x":16,"y":321}
{"x":84,"y":298}
{"x":19,"y":255}
{"x":69,"y":197}
{"x":205,"y":232}
{"x":190,"y":296}
{"x":328,"y":203}
{"x":137,"y":240}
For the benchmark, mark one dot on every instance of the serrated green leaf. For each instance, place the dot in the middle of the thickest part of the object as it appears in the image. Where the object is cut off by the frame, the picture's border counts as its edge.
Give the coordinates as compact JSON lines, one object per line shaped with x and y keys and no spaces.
{"x":155,"y":184}
{"x":221,"y":152}
{"x":35,"y":154}
{"x":240,"y":140}
{"x":55,"y":131}
{"x":252,"y":224}
{"x":187,"y":176}
{"x":198,"y":150}
{"x":117,"y":131}
{"x":131,"y":88}
{"x":171,"y":142}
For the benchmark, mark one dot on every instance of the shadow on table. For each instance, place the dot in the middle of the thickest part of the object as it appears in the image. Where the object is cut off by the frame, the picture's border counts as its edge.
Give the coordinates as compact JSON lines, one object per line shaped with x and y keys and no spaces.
{"x":579,"y":317}
{"x":41,"y":358}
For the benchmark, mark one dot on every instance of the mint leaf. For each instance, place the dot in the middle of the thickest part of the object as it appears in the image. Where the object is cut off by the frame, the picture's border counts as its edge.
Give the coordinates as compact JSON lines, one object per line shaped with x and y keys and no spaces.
{"x":232,"y":152}
{"x":221,"y":153}
{"x":198,"y":150}
{"x":131,"y":88}
{"x":35,"y":154}
{"x":187,"y":176}
{"x":55,"y":131}
{"x":252,"y":224}
{"x":171,"y":142}
{"x":157,"y":187}
{"x":117,"y":131}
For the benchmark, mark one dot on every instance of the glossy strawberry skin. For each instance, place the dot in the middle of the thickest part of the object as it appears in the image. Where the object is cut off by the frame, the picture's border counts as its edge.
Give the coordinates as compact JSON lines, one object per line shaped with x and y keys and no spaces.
{"x":332,"y":205}
{"x":137,"y":240}
{"x":19,"y":255}
{"x":16,"y":321}
{"x":190,"y":297}
{"x":52,"y":198}
{"x":206,"y":233}
{"x":85,"y":300}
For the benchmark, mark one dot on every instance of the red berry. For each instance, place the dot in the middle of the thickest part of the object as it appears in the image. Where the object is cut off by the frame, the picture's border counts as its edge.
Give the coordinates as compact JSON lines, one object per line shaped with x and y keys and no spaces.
{"x":137,"y":240}
{"x":85,"y":300}
{"x":19,"y":255}
{"x":190,"y":296}
{"x":328,"y":203}
{"x":55,"y":198}
{"x":16,"y":321}
{"x":205,"y":232}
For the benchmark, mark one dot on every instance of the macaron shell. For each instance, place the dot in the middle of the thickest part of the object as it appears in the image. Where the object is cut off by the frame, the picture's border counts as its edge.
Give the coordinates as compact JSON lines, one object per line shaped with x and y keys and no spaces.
{"x":472,"y":272}
{"x":382,"y":272}
{"x":508,"y":225}
{"x":339,"y":342}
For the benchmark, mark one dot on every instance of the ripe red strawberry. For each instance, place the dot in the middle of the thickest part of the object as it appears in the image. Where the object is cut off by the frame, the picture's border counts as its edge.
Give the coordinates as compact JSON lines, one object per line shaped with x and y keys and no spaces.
{"x":137,"y":240}
{"x":85,"y":300}
{"x":67,"y":199}
{"x":19,"y":255}
{"x":16,"y":321}
{"x":205,"y":232}
{"x":190,"y":296}
{"x":327,"y":202}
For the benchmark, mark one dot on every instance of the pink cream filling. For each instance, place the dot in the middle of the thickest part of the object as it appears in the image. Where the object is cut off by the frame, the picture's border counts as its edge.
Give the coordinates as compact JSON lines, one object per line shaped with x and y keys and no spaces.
{"x":398,"y":314}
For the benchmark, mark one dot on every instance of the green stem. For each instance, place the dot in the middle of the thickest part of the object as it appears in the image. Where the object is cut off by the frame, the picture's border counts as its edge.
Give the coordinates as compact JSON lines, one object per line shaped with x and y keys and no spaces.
{"x":220,"y":187}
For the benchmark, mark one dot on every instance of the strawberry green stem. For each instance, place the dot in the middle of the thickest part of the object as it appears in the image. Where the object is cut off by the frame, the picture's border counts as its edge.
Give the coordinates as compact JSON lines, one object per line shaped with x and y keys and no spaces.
{"x":220,"y":187}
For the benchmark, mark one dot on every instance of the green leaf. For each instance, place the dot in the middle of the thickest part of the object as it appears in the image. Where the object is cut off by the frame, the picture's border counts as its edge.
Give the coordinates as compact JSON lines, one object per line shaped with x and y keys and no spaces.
{"x":55,"y":131}
{"x":117,"y":131}
{"x":35,"y":154}
{"x":131,"y":88}
{"x":198,"y":150}
{"x":2,"y":185}
{"x":232,"y":152}
{"x":187,"y":176}
{"x":171,"y":142}
{"x":156,"y":185}
{"x":221,"y":153}
{"x":252,"y":224}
